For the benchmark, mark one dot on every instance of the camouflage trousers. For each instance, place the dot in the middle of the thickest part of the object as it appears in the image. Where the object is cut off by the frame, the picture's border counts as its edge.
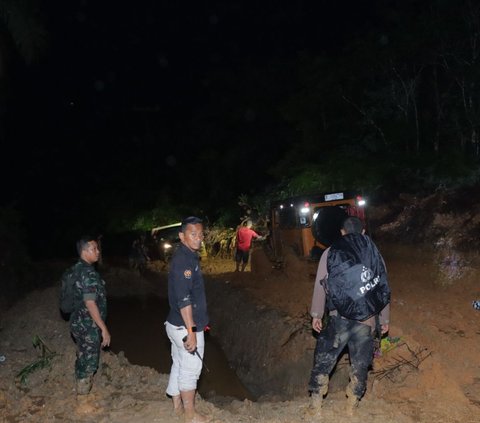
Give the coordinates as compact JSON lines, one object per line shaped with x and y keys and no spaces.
{"x":330,"y":344}
{"x":88,"y":341}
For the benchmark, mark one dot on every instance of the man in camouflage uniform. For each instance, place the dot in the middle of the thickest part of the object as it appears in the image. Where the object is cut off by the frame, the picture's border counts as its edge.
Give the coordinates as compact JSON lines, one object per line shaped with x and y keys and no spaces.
{"x":87,"y":322}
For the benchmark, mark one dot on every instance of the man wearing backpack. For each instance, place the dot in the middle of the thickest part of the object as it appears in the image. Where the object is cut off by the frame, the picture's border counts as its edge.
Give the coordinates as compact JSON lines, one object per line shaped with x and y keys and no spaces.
{"x":351,"y":287}
{"x":87,"y":320}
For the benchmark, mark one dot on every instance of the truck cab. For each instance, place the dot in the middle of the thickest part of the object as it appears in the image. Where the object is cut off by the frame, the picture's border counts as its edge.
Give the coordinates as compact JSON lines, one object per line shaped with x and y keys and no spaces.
{"x":310,"y":224}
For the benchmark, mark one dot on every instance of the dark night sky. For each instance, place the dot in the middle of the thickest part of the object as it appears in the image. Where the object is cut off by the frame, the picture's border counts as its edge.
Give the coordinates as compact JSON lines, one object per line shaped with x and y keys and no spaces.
{"x":113,"y":71}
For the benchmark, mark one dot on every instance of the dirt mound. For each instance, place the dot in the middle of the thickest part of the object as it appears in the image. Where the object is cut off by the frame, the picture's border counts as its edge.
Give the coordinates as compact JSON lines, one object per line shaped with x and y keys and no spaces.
{"x":122,"y":392}
{"x":446,"y":222}
{"x":127,"y":393}
{"x":445,"y":217}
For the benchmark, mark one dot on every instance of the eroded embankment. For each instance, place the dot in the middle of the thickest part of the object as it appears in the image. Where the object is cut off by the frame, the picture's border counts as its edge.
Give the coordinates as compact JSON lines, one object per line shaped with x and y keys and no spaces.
{"x":271,"y":352}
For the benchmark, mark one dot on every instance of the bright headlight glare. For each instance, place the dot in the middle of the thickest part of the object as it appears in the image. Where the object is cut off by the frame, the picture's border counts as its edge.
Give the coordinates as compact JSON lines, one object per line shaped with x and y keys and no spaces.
{"x":304,"y":210}
{"x":361,"y":203}
{"x":166,"y":246}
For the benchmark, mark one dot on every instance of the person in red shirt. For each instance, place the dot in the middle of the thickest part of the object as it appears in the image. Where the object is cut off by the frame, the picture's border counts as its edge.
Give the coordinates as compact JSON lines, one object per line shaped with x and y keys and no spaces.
{"x":245,"y":235}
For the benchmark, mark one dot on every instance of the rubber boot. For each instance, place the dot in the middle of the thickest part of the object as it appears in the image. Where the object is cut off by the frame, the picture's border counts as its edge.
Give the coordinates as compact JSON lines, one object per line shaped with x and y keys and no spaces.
{"x":316,"y":402}
{"x":84,"y":386}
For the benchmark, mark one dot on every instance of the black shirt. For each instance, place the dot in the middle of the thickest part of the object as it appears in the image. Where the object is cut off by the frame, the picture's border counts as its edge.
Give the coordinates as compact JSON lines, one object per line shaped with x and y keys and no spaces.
{"x":186,"y":287}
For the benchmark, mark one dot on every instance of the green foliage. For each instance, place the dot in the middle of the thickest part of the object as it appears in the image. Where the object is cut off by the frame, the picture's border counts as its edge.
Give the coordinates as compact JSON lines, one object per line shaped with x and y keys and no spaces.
{"x":24,"y":22}
{"x":406,"y":93}
{"x":396,"y":109}
{"x":427,"y":172}
{"x":309,"y":179}
{"x":45,"y":359}
{"x":157,"y":216}
{"x":339,"y":172}
{"x":229,"y":217}
{"x":140,"y":211}
{"x":219,"y":241}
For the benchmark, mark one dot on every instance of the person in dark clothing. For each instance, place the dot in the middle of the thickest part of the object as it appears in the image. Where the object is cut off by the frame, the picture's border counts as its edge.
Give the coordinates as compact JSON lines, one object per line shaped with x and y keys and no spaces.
{"x":138,"y":256}
{"x":340,"y":332}
{"x":186,"y":320}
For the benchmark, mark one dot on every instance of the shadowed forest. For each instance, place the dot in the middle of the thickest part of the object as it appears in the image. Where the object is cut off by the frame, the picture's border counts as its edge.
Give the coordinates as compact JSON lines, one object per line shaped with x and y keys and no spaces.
{"x":147,"y":113}
{"x":116,"y":118}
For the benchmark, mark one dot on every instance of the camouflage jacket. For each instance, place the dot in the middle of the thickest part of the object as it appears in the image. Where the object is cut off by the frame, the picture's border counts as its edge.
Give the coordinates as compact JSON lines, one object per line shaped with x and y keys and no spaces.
{"x":88,"y":286}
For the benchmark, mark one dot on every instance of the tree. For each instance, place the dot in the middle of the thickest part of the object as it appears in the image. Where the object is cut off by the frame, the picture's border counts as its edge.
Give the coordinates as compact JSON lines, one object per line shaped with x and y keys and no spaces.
{"x":22,"y":33}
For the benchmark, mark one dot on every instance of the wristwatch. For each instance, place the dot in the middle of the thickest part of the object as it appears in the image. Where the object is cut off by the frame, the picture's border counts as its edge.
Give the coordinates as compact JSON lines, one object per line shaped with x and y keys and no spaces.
{"x":192,"y":329}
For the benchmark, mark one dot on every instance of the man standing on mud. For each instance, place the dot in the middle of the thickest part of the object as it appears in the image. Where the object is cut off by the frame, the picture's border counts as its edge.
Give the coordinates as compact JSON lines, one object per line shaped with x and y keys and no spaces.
{"x":342,"y":331}
{"x":186,"y":320}
{"x":245,"y":235}
{"x":87,"y":322}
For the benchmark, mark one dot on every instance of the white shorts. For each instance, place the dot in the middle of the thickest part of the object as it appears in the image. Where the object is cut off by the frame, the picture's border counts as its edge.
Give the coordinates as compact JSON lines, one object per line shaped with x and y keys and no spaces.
{"x":186,"y":367}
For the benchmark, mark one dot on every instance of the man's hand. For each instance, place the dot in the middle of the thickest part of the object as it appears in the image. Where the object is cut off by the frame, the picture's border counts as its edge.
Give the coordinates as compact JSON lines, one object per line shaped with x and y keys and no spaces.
{"x":106,"y":338}
{"x":317,"y":324}
{"x":191,"y":342}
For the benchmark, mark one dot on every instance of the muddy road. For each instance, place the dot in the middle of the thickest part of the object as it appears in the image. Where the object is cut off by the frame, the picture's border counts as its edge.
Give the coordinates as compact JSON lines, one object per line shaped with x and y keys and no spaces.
{"x":433,"y":375}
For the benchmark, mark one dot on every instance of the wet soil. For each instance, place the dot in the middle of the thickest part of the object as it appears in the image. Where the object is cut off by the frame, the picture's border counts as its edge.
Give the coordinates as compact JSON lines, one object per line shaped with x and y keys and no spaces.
{"x":433,"y":374}
{"x":429,"y":317}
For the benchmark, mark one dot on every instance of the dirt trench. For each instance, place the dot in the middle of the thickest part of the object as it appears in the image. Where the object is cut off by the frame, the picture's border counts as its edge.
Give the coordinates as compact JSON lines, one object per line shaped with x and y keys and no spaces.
{"x":263,"y":324}
{"x":270,"y":351}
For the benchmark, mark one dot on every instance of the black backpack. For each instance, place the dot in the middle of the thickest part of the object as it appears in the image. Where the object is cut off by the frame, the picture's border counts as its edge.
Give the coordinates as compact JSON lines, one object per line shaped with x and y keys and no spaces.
{"x":67,"y":303}
{"x":357,"y":285}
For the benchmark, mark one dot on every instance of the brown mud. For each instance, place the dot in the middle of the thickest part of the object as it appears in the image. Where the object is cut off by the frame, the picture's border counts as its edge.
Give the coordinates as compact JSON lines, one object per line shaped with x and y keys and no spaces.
{"x":260,"y":318}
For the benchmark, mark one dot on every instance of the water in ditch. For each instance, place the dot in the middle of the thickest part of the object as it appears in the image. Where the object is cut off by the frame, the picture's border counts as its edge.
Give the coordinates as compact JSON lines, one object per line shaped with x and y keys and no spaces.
{"x":137,"y":328}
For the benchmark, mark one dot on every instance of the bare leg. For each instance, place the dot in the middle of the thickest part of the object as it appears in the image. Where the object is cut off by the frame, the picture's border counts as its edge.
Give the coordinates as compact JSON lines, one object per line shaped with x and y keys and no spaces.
{"x":177,"y":404}
{"x":191,"y":416}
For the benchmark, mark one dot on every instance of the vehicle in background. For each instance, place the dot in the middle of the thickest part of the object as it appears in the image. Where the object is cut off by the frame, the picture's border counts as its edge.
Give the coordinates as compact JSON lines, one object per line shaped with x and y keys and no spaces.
{"x":310,"y":224}
{"x":165,"y":240}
